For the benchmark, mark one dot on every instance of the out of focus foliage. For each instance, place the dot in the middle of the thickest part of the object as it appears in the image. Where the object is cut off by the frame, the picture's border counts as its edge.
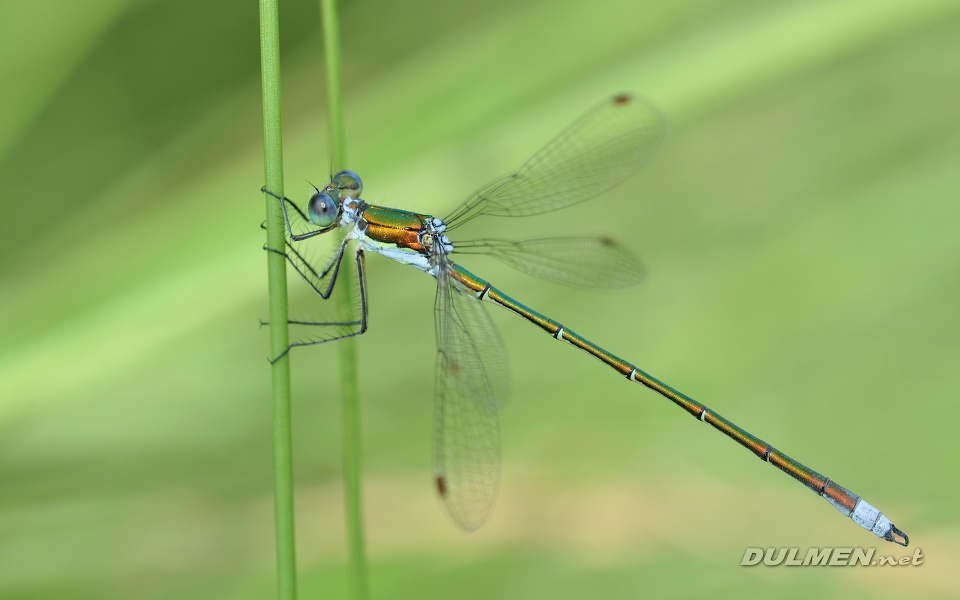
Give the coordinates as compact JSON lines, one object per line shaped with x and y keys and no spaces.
{"x":799,"y":233}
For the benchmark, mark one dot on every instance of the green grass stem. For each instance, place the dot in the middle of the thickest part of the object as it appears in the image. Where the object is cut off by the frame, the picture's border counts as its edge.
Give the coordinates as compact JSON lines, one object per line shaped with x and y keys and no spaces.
{"x":277,"y":281}
{"x":350,"y":409}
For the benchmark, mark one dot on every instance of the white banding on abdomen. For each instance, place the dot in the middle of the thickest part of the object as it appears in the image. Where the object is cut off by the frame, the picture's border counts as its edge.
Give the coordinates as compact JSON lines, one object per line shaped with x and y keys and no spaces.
{"x":869,"y":517}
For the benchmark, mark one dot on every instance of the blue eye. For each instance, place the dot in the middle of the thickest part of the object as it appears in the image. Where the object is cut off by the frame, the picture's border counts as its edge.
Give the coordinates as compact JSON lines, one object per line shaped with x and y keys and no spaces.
{"x":348,"y":184}
{"x":323,"y":209}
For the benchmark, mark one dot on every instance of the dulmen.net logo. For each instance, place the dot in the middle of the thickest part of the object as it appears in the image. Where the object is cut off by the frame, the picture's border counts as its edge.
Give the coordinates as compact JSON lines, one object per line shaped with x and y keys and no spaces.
{"x":826,"y":557}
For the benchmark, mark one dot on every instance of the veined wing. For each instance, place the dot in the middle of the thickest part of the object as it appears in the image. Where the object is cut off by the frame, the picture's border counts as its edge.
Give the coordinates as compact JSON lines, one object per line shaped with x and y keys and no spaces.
{"x":472,"y":383}
{"x":596,"y":262}
{"x":597,"y":152}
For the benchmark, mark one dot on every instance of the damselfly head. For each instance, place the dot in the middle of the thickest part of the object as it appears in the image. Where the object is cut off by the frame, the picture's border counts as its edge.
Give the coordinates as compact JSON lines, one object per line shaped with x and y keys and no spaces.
{"x":348,"y":184}
{"x":324,"y":208}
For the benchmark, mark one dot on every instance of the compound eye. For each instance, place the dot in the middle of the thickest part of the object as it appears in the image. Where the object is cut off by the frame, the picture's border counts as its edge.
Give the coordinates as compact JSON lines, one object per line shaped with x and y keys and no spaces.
{"x":348,"y":184}
{"x":323,"y":209}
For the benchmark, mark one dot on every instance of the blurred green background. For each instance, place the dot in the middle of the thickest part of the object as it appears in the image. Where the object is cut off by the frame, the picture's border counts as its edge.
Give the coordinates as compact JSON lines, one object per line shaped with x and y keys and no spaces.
{"x":800,"y":233}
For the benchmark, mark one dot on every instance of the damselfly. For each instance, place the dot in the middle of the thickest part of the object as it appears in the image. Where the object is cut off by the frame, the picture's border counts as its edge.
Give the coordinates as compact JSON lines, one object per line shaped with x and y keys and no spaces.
{"x":599,"y":151}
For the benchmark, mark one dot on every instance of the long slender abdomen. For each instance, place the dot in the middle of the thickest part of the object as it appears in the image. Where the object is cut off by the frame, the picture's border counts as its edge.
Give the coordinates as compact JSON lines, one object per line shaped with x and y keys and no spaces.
{"x":842,"y":499}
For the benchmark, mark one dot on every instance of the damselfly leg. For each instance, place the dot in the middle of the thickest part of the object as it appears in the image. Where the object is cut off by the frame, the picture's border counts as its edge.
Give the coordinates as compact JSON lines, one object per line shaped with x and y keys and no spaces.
{"x":321,"y":274}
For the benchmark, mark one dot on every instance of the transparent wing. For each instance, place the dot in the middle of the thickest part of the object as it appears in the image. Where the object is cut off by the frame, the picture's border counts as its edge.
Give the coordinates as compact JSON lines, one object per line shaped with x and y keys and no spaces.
{"x":597,"y":262}
{"x":472,"y":383}
{"x":597,"y":152}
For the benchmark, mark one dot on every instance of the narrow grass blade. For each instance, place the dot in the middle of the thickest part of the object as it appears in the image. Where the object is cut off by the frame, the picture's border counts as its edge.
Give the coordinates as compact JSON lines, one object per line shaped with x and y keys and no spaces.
{"x":350,"y":408}
{"x":277,"y":282}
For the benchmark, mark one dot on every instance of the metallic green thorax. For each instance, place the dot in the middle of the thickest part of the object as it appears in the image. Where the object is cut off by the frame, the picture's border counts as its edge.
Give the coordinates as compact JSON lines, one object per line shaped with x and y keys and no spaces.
{"x":391,"y":217}
{"x":391,"y":226}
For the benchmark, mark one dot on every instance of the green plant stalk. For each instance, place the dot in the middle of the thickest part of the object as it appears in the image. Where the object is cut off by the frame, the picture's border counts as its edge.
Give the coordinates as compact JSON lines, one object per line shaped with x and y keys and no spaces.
{"x":277,"y":282}
{"x":350,"y":409}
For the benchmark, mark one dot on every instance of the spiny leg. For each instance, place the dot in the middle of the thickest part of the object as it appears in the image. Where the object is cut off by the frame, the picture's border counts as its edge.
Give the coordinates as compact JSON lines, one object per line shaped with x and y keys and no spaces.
{"x":363,"y":314}
{"x":333,"y":263}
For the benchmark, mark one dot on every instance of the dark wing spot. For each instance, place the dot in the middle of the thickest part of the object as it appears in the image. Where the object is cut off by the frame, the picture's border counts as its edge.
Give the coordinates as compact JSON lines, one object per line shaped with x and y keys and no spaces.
{"x":622,"y":99}
{"x":441,"y":486}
